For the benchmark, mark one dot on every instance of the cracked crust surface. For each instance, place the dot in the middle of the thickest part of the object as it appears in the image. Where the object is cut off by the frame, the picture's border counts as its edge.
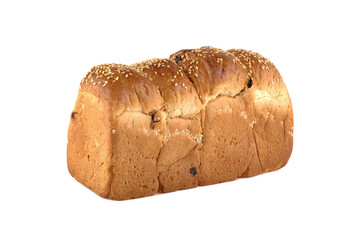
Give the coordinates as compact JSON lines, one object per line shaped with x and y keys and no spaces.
{"x":202,"y":116}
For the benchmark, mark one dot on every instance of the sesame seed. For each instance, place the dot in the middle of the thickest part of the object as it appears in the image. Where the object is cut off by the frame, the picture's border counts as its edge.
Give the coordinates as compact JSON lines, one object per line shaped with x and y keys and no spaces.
{"x":114,"y":131}
{"x":253,"y":123}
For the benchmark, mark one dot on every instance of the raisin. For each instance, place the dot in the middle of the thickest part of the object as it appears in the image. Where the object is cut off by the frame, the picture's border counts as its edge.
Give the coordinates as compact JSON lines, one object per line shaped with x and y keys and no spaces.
{"x":250,"y":83}
{"x":152,"y":124}
{"x":178,"y":58}
{"x":153,"y":121}
{"x":74,"y":115}
{"x":193,"y":171}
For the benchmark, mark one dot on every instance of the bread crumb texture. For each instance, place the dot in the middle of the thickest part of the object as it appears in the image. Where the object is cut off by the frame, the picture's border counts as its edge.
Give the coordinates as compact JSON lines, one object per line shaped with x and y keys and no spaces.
{"x":200,"y":117}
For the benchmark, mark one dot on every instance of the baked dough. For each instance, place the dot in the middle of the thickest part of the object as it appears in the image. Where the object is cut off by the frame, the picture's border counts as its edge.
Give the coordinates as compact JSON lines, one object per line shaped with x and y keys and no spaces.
{"x":202,"y":116}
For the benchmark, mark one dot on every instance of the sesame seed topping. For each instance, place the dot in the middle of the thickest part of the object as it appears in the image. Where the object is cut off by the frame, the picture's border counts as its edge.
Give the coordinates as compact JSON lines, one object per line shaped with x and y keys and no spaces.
{"x":197,"y":138}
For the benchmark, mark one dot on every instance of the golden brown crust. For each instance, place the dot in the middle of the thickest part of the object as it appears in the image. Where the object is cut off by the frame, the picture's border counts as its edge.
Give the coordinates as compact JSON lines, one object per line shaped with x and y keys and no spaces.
{"x":201,"y":117}
{"x":89,"y":144}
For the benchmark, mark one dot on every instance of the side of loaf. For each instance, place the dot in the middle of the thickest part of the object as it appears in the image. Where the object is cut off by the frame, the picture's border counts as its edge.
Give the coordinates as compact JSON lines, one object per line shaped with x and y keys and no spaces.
{"x":202,"y":116}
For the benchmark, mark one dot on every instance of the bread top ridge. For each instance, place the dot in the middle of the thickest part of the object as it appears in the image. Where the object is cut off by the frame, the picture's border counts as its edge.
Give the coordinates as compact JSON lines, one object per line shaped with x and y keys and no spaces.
{"x":183,"y":84}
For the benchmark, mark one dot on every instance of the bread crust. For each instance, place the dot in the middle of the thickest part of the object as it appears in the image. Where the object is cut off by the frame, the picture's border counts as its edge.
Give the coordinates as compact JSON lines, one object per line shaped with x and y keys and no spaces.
{"x":202,"y":116}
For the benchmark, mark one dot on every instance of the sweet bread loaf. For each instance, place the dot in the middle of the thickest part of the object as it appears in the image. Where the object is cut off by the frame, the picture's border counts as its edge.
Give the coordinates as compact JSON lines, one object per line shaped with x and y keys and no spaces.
{"x":202,"y":116}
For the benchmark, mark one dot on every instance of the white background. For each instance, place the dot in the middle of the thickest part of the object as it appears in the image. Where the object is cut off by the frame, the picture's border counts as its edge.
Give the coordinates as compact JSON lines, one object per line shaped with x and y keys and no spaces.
{"x":46,"y":49}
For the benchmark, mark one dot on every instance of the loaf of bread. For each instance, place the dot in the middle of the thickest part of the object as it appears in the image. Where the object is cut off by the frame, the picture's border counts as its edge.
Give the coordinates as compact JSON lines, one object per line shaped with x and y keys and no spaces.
{"x":202,"y":116}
